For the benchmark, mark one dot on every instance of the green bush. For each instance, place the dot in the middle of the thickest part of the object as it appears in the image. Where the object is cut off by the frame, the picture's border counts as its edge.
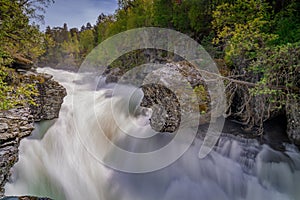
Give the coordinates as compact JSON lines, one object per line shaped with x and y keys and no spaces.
{"x":279,"y":68}
{"x":15,"y":93}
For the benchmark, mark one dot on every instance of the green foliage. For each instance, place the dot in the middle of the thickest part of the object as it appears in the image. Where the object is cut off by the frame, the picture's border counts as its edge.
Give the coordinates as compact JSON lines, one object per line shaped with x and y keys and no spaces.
{"x":140,"y":14}
{"x":17,"y":36}
{"x":162,"y":13}
{"x":15,"y":94}
{"x":103,"y":24}
{"x":5,"y":58}
{"x":213,"y":50}
{"x":279,"y":67}
{"x":180,"y":19}
{"x":287,"y":23}
{"x":63,"y":47}
{"x":188,"y":16}
{"x":199,"y":16}
{"x":260,"y":41}
{"x":202,"y":96}
{"x":86,"y":41}
{"x":243,"y":27}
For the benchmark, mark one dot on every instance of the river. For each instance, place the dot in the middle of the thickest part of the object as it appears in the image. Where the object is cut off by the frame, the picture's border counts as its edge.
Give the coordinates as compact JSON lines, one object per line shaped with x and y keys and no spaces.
{"x":59,"y":163}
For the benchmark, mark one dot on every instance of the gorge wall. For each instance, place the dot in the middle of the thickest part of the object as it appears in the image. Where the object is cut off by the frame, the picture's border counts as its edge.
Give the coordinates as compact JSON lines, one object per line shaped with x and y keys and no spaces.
{"x":18,"y":123}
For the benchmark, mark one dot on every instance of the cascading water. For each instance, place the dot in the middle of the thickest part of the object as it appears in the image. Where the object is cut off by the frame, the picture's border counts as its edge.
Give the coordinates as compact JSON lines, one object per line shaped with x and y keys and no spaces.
{"x":55,"y":163}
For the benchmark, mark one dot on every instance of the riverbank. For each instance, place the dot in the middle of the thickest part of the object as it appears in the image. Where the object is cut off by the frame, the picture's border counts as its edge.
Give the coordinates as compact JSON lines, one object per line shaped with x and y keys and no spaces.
{"x":18,"y":123}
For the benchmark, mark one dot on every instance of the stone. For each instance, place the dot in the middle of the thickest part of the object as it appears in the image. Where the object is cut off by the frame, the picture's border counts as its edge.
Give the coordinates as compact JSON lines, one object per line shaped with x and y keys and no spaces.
{"x":50,"y":98}
{"x":46,"y":76}
{"x":165,"y":108}
{"x":162,"y":89}
{"x":3,"y":127}
{"x":293,"y":120}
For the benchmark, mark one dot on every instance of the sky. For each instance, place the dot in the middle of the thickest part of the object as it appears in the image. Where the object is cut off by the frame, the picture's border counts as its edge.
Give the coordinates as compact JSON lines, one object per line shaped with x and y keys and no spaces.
{"x":77,"y":12}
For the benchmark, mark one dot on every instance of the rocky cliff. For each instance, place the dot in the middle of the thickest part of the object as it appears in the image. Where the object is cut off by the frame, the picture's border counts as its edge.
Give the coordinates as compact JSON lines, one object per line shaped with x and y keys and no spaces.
{"x":293,"y":120}
{"x":18,"y":123}
{"x":50,"y":97}
{"x":14,"y":125}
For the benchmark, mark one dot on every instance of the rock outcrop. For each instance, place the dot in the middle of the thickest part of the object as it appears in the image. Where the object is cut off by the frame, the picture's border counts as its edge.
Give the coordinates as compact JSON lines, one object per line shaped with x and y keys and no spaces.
{"x":175,"y":88}
{"x":18,"y":123}
{"x":50,"y":97}
{"x":166,"y":112}
{"x":20,"y":62}
{"x":293,"y":121}
{"x":14,"y":125}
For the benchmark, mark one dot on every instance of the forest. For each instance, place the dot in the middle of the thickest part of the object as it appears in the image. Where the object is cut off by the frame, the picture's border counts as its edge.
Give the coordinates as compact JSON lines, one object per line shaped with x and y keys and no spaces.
{"x":258,"y":42}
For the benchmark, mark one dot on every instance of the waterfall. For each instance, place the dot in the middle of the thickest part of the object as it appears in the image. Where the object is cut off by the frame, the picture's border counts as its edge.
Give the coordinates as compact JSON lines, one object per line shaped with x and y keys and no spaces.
{"x":60,"y":163}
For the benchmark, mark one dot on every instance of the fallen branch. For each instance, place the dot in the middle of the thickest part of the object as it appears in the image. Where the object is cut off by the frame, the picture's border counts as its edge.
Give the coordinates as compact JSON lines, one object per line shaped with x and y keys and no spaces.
{"x":250,"y":84}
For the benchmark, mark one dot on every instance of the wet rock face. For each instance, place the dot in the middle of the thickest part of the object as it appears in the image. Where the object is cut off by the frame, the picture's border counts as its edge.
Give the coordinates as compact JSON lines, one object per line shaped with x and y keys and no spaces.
{"x":14,"y":125}
{"x":50,"y":98}
{"x":293,"y":121}
{"x":18,"y":123}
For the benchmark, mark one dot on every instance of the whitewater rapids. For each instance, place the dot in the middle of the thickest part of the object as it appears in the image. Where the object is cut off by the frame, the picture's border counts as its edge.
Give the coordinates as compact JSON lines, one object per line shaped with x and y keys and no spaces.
{"x":55,"y":163}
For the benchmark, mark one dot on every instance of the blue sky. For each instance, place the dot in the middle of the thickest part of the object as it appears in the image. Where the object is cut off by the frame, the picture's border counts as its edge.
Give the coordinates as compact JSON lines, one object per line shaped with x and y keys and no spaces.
{"x":77,"y":12}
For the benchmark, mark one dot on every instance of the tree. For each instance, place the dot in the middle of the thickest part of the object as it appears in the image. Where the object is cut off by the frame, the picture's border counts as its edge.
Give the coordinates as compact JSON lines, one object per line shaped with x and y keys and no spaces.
{"x":101,"y":28}
{"x":180,"y":18}
{"x":17,"y":35}
{"x":287,"y":23}
{"x":82,"y":28}
{"x":140,"y":14}
{"x":162,"y":13}
{"x":125,"y":4}
{"x":65,"y":33}
{"x":86,"y":42}
{"x":101,"y":18}
{"x":34,"y":9}
{"x":243,"y":28}
{"x":19,"y":40}
{"x":74,"y":31}
{"x":88,"y":26}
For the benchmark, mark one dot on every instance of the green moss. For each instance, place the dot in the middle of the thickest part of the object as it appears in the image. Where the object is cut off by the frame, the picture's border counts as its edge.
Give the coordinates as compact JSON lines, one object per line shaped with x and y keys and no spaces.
{"x":203,"y":99}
